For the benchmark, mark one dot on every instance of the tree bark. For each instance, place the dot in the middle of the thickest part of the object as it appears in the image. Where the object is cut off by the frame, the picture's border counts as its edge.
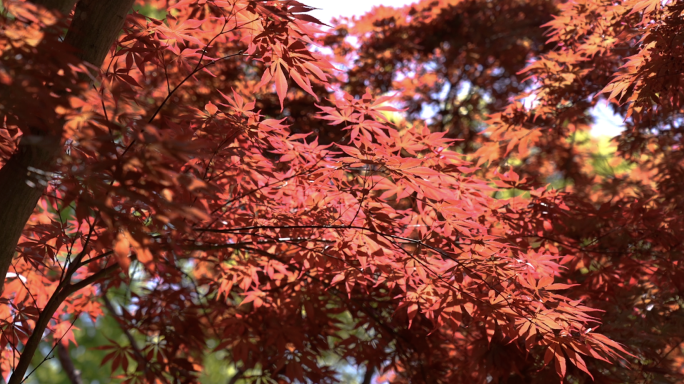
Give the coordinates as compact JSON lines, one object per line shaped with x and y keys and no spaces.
{"x":94,"y":28}
{"x":20,"y":190}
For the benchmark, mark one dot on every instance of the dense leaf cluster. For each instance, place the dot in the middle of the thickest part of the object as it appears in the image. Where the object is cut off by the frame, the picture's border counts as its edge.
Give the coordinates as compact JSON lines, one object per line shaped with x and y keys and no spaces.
{"x":434,"y":211}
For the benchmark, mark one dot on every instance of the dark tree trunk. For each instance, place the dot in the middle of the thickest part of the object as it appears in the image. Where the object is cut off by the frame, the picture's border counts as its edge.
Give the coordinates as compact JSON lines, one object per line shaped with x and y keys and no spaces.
{"x":20,"y":190}
{"x":95,"y":26}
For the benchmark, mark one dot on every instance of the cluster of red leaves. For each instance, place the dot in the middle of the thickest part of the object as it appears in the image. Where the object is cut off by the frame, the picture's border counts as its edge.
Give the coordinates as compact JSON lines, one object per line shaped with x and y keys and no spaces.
{"x":383,"y":242}
{"x":617,"y":235}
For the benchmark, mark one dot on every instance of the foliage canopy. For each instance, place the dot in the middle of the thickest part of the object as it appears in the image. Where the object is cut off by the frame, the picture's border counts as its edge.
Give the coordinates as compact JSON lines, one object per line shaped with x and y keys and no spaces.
{"x":432,"y":209}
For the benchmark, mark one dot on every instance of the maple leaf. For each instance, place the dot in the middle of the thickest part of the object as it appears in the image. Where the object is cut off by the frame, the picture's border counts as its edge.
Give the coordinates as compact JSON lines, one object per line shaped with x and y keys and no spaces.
{"x":175,"y":31}
{"x":439,"y":210}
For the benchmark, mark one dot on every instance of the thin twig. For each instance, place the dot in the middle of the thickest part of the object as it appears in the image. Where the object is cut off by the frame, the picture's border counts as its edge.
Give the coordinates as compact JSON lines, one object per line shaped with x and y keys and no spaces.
{"x":134,"y":345}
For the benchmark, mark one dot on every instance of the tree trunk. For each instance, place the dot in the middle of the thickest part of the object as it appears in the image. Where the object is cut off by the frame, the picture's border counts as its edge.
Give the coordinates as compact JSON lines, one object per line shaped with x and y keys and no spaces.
{"x":20,"y":191}
{"x":95,"y":26}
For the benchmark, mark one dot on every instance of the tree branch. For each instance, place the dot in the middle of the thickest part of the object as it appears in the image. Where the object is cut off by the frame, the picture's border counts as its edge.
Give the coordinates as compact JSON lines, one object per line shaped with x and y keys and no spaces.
{"x":68,"y":364}
{"x":368,"y":376}
{"x":236,"y":377}
{"x":61,"y":293}
{"x":134,"y":345}
{"x":91,"y":279}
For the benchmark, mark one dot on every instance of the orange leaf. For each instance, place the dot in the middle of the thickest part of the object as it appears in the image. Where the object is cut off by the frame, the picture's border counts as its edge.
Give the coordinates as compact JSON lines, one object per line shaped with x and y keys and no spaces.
{"x":211,"y":108}
{"x":281,"y":85}
{"x":122,"y":250}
